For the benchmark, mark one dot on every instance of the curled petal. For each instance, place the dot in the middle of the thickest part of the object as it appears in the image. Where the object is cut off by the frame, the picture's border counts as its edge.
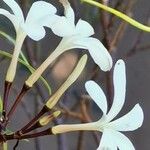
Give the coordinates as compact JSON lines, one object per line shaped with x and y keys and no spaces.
{"x":60,"y":26}
{"x":16,"y":9}
{"x":98,"y":52}
{"x":34,"y":31}
{"x":129,"y":122}
{"x":39,"y":11}
{"x":119,"y":80}
{"x":46,"y":17}
{"x":97,"y":95}
{"x":107,"y":141}
{"x":84,"y":29}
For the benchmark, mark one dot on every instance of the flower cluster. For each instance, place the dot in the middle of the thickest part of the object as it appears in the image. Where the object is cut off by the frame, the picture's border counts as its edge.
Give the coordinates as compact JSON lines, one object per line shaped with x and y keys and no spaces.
{"x":74,"y":35}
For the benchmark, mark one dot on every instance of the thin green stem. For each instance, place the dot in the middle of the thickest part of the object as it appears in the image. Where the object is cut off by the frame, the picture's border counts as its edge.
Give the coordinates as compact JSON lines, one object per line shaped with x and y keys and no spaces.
{"x":120,"y":15}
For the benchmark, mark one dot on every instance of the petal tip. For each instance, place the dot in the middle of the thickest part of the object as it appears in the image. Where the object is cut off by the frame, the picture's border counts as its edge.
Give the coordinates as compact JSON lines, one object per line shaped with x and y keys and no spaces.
{"x":120,"y":62}
{"x":141,"y":114}
{"x":108,"y":67}
{"x":88,"y":83}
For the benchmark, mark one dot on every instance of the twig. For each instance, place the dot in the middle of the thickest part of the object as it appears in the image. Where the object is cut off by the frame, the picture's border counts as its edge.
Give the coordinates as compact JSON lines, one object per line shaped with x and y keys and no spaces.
{"x":16,"y":145}
{"x":121,"y":29}
{"x":80,"y":140}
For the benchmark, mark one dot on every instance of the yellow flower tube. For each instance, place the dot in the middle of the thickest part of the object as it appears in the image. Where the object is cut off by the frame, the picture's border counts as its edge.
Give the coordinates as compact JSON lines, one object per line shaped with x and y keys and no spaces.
{"x":72,"y":78}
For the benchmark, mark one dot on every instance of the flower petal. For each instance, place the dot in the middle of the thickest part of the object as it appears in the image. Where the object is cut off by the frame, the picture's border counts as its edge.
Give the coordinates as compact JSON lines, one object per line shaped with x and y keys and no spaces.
{"x":69,"y":13}
{"x":16,"y":9}
{"x":45,"y":16}
{"x":97,"y":95}
{"x":98,"y":52}
{"x":129,"y":122}
{"x":107,"y":141}
{"x":11,"y":17}
{"x":38,"y":11}
{"x":122,"y":142}
{"x":119,"y":80}
{"x":84,"y":29}
{"x":34,"y":31}
{"x":60,"y":26}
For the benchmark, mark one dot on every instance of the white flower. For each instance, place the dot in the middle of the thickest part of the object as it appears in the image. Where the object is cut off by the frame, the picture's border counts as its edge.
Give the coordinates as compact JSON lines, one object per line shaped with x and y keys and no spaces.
{"x":112,"y":138}
{"x":40,"y":14}
{"x":78,"y":37}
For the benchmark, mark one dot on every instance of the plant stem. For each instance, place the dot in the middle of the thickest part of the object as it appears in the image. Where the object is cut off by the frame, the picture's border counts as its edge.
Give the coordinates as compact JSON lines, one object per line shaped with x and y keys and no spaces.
{"x":120,"y":15}
{"x":7,"y":87}
{"x":18,"y":99}
{"x":26,"y":64}
{"x":33,"y":121}
{"x":34,"y":135}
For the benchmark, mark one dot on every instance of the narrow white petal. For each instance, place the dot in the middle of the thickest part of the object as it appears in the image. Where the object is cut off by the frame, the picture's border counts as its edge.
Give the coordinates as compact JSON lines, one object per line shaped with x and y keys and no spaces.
{"x":129,"y":122}
{"x":98,"y":52}
{"x":36,"y":20}
{"x":97,"y":95}
{"x":34,"y":31}
{"x":69,"y":42}
{"x":119,"y":80}
{"x":11,"y":17}
{"x":16,"y":9}
{"x":61,"y":26}
{"x":69,"y":13}
{"x":107,"y":141}
{"x":39,"y":10}
{"x":122,"y":142}
{"x":84,"y":29}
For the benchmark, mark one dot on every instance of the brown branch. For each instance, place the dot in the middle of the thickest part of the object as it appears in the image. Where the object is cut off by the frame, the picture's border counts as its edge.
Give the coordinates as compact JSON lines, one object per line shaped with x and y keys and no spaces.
{"x":122,"y":27}
{"x":28,"y":136}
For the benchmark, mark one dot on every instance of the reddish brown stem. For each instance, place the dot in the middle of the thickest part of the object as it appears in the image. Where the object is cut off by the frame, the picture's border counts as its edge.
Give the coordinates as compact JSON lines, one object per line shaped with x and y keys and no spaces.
{"x":18,"y":99}
{"x":34,"y":120}
{"x":28,"y":136}
{"x":33,"y":127}
{"x":7,"y":87}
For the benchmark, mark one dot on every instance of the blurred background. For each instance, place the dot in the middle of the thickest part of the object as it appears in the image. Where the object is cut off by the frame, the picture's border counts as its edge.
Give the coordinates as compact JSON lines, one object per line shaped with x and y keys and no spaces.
{"x":122,"y":40}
